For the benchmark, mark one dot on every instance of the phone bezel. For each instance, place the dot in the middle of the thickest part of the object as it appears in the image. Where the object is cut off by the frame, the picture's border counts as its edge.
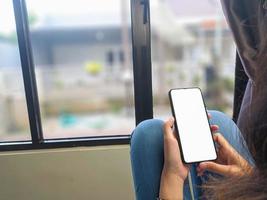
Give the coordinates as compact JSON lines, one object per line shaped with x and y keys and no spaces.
{"x":176,"y":125}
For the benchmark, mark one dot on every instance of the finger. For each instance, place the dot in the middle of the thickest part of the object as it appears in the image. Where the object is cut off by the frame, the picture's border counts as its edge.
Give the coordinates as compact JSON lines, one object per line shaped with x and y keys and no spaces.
{"x":214,"y":128}
{"x":214,"y":167}
{"x":168,"y":132}
{"x":219,"y":139}
{"x":200,"y":172}
{"x":209,"y":115}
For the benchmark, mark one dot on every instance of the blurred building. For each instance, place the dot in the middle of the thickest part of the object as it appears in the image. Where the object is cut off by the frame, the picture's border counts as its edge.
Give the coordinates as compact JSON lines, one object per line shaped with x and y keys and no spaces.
{"x":77,"y":51}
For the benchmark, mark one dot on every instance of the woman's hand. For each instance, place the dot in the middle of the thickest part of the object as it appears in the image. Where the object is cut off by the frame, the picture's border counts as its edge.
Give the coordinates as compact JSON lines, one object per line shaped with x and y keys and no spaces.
{"x":172,"y":159}
{"x":229,"y":163}
{"x":174,"y":171}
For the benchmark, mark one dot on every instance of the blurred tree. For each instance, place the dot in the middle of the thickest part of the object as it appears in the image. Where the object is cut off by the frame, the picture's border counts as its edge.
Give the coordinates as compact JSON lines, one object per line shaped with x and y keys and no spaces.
{"x":196,"y":80}
{"x":228,"y":84}
{"x":32,"y":18}
{"x":12,"y":36}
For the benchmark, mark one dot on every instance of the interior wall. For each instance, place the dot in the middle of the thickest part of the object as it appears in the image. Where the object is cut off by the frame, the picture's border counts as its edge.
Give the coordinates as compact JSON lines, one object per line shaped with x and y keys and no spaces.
{"x":69,"y":174}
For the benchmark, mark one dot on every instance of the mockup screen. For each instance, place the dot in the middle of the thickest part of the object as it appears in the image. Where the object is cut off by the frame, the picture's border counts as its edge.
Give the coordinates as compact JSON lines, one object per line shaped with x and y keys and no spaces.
{"x":193,"y":127}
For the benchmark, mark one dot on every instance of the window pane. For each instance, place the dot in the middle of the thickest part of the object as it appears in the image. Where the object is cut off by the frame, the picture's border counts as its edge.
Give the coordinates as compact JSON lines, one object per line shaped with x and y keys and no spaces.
{"x":14,"y":124}
{"x":82,"y":54}
{"x":191,"y":46}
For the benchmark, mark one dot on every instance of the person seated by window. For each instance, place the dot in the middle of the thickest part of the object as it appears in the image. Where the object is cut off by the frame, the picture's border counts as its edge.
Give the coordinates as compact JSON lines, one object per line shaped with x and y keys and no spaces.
{"x":240,"y":171}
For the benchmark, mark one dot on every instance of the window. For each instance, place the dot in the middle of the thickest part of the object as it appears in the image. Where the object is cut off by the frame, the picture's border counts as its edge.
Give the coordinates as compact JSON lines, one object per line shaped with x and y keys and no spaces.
{"x":14,"y":124}
{"x":77,"y":71}
{"x":83,"y":88}
{"x":191,"y":46}
{"x":81,"y":63}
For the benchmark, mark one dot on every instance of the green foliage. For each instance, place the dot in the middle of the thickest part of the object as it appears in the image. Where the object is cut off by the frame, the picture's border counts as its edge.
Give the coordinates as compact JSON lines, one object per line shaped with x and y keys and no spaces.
{"x":11,"y":38}
{"x":228,"y":84}
{"x":170,"y":68}
{"x":196,"y":80}
{"x":32,"y":17}
{"x":115,"y":106}
{"x":216,"y":91}
{"x":182,"y":76}
{"x":59,"y":84}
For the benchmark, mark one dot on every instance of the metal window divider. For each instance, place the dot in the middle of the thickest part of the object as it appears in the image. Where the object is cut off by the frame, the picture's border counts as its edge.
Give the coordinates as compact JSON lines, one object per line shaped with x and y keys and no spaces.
{"x":27,"y":65}
{"x":141,"y":44}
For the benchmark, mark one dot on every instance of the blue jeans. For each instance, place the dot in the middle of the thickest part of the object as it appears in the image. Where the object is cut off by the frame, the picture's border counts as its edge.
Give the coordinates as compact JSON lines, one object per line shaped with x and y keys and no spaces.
{"x":147,"y":155}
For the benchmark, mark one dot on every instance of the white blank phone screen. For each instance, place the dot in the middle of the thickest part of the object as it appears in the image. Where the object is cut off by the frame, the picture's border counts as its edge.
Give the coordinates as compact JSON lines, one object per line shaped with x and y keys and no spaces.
{"x":193,"y":127}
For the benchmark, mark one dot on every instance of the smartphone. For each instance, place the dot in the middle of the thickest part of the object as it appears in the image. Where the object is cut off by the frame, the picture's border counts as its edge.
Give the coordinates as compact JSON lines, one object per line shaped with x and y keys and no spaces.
{"x":192,"y":125}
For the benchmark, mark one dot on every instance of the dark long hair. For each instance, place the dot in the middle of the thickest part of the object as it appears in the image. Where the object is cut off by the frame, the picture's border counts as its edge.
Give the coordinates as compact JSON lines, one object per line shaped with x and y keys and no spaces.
{"x":254,"y":184}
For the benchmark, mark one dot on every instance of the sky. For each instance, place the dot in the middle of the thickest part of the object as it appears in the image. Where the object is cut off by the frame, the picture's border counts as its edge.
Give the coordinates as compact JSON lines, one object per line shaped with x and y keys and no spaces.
{"x":108,"y":8}
{"x":62,"y":7}
{"x":195,"y":8}
{"x":7,"y":22}
{"x":94,"y":11}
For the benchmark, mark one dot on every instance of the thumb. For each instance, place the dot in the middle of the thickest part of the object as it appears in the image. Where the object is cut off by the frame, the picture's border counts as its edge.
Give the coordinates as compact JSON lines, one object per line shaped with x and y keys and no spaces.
{"x":168,"y":132}
{"x":214,"y":167}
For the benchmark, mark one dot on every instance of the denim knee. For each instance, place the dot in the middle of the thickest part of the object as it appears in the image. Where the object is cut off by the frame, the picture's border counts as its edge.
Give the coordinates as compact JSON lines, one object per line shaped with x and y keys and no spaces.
{"x":148,"y":133}
{"x":215,"y":115}
{"x":147,"y":154}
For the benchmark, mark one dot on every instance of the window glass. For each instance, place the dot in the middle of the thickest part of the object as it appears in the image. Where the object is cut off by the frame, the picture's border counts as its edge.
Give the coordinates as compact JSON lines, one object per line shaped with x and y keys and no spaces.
{"x":191,"y":46}
{"x":14,"y":124}
{"x":83,"y":63}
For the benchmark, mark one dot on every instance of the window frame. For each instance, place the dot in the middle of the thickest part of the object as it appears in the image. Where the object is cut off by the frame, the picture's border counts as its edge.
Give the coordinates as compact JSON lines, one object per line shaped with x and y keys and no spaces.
{"x":140,"y":27}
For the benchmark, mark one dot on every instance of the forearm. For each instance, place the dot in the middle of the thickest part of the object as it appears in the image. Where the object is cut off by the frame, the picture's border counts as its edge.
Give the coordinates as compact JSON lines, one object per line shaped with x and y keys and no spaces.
{"x":171,"y":186}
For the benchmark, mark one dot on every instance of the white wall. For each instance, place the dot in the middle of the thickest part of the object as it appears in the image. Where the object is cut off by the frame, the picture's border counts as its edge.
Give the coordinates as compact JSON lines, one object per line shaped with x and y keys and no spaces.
{"x":69,"y":174}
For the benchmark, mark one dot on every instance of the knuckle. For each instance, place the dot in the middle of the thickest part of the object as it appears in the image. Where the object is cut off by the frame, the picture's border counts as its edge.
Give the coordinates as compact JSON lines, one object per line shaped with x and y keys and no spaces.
{"x":168,"y":139}
{"x":165,"y":125}
{"x":230,"y":171}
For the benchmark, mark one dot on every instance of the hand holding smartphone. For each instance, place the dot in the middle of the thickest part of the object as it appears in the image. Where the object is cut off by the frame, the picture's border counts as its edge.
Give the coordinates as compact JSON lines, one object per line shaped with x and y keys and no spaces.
{"x":192,"y":125}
